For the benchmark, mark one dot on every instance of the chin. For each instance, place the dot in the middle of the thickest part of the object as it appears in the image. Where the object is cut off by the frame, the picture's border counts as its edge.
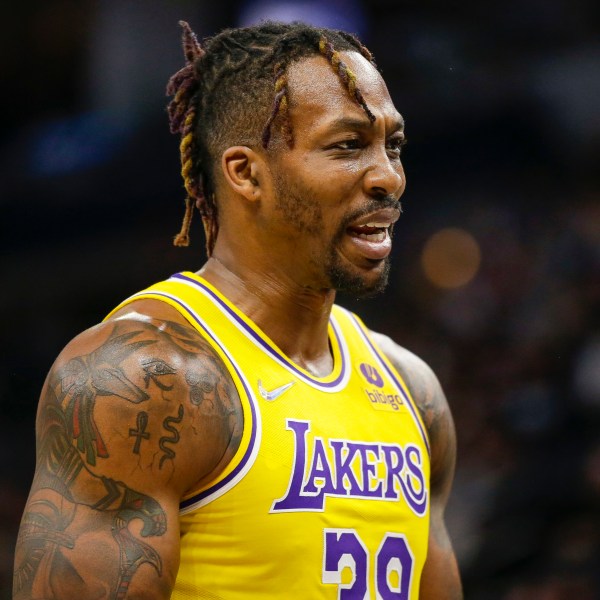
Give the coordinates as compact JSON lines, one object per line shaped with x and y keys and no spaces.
{"x":358,"y":283}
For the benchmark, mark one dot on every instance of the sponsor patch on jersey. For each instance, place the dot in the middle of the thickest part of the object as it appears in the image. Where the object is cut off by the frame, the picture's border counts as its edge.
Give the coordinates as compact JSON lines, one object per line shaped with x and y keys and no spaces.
{"x":381,"y":401}
{"x":371,"y":374}
{"x":381,"y":395}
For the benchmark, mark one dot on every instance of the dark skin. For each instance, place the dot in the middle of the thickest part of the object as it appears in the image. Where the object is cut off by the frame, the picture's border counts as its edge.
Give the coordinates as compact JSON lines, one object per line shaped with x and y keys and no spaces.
{"x":139,"y":410}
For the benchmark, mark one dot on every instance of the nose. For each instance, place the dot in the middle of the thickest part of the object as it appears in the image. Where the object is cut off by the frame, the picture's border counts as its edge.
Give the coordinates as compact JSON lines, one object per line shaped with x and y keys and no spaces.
{"x":385,"y":177}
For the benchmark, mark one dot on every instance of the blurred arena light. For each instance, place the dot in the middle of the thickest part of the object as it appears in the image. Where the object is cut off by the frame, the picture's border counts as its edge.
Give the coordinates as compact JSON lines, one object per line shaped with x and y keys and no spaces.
{"x":348,"y":15}
{"x":451,"y":258}
{"x":75,"y":143}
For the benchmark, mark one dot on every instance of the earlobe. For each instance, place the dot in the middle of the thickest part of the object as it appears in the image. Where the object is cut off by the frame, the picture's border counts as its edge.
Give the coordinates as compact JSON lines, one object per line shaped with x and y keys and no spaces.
{"x":240,"y":166}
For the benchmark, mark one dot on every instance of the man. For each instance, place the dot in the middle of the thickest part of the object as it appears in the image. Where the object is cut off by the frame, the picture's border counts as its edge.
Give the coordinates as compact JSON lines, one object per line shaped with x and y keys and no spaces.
{"x":232,"y":433}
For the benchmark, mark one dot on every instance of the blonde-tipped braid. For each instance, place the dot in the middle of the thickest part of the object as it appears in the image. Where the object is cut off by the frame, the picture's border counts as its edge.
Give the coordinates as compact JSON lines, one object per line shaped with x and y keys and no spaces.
{"x":347,"y":77}
{"x":182,"y":112}
{"x":222,"y":95}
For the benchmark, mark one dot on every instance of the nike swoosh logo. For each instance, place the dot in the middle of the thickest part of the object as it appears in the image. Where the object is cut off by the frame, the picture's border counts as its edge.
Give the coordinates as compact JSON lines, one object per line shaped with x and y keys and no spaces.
{"x":274,"y":394}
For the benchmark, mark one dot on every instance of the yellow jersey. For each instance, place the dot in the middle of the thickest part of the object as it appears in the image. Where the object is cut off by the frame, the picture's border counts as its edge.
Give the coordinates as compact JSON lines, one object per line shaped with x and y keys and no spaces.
{"x":328,"y":494}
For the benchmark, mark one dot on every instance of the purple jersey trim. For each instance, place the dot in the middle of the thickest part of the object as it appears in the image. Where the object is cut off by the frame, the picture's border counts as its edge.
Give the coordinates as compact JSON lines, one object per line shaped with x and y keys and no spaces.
{"x":394,"y":377}
{"x":265,"y":346}
{"x":244,"y":460}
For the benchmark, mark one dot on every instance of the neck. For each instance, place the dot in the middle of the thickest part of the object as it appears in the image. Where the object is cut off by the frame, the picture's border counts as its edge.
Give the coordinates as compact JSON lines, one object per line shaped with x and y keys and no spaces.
{"x":295,"y":318}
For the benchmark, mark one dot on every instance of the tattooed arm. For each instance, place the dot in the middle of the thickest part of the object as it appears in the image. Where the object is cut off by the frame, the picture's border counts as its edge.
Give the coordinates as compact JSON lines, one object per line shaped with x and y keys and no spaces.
{"x":134,"y":413}
{"x":440,"y":579}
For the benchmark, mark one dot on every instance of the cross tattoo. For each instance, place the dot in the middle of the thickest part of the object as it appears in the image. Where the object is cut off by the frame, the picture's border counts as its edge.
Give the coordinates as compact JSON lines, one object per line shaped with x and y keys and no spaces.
{"x":140,"y":433}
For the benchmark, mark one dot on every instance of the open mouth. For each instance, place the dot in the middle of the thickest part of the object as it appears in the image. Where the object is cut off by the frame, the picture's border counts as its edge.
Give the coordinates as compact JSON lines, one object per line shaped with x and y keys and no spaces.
{"x":375,"y":232}
{"x":372,"y":241}
{"x":370,"y":236}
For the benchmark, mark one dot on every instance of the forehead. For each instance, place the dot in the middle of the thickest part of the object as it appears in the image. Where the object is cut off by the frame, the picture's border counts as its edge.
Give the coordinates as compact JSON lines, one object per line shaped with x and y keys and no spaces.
{"x":317,"y":93}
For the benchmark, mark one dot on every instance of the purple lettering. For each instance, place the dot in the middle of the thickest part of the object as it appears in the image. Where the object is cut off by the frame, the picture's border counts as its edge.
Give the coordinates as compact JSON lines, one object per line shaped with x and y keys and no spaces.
{"x":294,"y":500}
{"x":369,"y":469}
{"x":354,"y":469}
{"x":416,"y":500}
{"x":321,"y":470}
{"x":414,"y":466}
{"x":394,"y":461}
{"x":343,"y":469}
{"x":395,"y":401}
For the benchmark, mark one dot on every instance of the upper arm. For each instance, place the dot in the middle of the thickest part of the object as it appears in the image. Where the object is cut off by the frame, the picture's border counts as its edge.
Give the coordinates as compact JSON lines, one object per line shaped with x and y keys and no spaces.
{"x":132,"y":414}
{"x":440,"y":578}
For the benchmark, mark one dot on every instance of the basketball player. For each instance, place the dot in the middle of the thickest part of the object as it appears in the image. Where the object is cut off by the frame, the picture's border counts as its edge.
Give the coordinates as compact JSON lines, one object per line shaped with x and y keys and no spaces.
{"x":232,"y":433}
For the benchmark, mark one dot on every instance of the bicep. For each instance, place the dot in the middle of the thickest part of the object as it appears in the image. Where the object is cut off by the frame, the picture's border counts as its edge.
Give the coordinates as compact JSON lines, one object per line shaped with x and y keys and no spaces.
{"x":69,"y":548}
{"x":440,"y":579}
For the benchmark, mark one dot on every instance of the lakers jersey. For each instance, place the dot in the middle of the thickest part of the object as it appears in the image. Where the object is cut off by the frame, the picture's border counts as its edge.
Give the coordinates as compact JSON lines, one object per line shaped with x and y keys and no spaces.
{"x":328,"y":494}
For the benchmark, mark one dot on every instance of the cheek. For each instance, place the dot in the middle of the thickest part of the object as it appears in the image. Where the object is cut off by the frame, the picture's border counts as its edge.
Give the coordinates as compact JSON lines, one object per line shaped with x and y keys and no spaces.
{"x":297,"y":208}
{"x":316,"y":198}
{"x":336,"y":185}
{"x":346,"y":179}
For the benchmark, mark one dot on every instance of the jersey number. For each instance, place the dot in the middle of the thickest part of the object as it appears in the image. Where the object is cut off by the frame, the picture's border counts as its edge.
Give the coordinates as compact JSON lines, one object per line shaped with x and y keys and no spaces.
{"x":393,"y":562}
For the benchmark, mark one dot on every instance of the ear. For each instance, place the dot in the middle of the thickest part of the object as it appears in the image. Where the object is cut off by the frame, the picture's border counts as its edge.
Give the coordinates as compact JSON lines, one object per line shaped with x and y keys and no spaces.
{"x":242,"y":169}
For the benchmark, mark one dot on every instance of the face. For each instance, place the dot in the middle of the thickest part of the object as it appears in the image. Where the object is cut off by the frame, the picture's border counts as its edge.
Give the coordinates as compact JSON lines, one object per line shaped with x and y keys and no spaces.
{"x":336,"y":193}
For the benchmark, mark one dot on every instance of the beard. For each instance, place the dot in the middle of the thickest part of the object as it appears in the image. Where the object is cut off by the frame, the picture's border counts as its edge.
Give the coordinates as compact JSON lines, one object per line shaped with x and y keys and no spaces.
{"x":348,"y":281}
{"x":302,"y":210}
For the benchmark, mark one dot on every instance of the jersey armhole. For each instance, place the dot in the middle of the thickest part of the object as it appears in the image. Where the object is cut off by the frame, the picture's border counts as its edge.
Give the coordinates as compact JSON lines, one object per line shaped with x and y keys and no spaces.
{"x":391,"y":370}
{"x":245,"y":455}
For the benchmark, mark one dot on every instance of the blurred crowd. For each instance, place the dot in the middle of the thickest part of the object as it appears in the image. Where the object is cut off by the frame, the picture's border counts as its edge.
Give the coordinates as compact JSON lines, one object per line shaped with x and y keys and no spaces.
{"x":518,"y":353}
{"x":500,"y":100}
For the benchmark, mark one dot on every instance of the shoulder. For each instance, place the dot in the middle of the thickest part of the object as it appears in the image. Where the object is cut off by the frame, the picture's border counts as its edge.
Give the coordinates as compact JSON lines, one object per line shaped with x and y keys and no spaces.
{"x":431,"y":402}
{"x":135,"y":413}
{"x":145,"y":385}
{"x":418,"y":376}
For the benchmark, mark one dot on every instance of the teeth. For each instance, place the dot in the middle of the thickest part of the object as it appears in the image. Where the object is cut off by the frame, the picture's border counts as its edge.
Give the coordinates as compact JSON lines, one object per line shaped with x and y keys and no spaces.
{"x":378,"y":225}
{"x":373,"y":237}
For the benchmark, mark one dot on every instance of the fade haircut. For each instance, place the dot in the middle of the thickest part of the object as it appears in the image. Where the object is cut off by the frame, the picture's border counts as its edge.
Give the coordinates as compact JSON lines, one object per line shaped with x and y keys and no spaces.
{"x":233,"y":91}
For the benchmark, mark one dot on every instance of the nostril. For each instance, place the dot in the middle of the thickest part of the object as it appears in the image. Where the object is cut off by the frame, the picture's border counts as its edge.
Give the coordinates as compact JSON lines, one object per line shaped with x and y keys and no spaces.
{"x":379,"y":194}
{"x":384,"y":180}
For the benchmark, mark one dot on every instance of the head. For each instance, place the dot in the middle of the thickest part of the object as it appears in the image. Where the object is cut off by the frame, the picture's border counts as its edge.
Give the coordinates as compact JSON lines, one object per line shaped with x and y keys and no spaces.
{"x":248,"y":87}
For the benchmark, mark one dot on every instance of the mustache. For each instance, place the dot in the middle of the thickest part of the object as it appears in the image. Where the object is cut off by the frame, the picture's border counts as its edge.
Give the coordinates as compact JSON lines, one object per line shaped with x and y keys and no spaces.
{"x":373,"y":205}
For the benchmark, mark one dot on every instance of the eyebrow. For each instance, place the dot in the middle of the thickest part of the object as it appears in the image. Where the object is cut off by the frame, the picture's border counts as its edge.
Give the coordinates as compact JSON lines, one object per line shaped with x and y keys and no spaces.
{"x":357,"y":123}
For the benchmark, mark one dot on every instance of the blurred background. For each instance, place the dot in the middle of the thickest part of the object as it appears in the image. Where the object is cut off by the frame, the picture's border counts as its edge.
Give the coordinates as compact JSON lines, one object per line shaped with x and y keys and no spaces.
{"x":496,"y":276}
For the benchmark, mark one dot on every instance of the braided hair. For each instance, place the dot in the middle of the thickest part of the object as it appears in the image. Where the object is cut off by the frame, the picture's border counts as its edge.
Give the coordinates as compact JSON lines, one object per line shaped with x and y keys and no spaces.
{"x":233,"y":90}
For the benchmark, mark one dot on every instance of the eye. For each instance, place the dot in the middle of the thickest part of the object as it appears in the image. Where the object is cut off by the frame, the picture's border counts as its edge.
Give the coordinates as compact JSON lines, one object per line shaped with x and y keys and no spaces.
{"x":394,"y":146}
{"x":156,"y":367}
{"x":349,"y":144}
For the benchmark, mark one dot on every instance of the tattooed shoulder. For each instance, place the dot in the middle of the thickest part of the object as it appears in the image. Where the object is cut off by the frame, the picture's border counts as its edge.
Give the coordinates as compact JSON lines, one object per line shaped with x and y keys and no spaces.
{"x":145,"y":393}
{"x":418,"y":376}
{"x":132,"y":414}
